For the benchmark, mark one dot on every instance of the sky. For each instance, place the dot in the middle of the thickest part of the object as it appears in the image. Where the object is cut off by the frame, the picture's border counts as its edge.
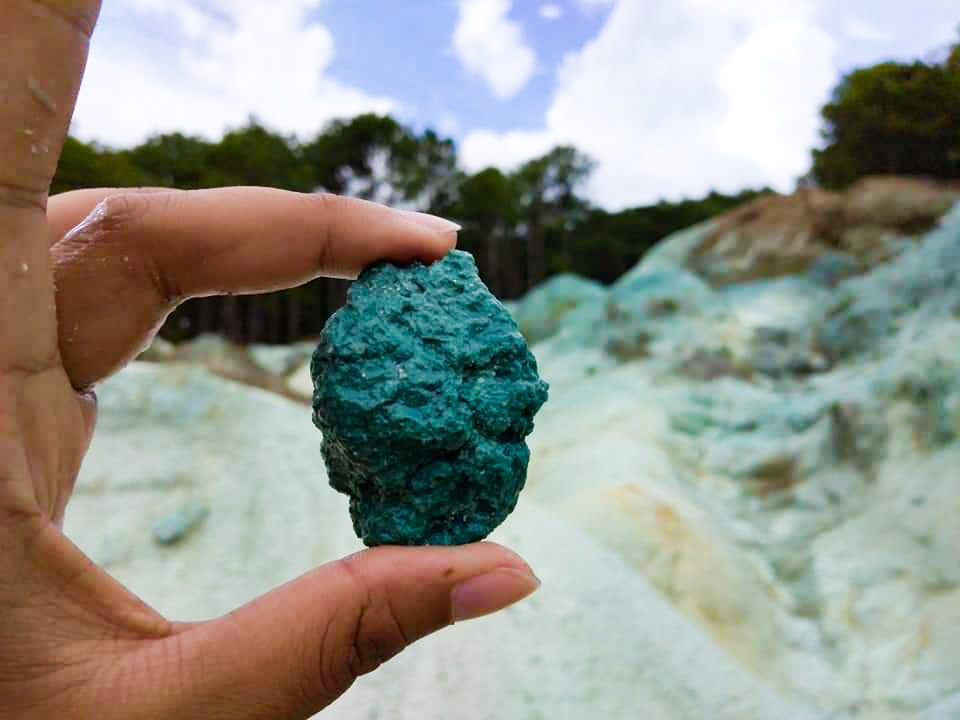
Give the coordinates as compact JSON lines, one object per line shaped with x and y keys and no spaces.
{"x":671,"y":98}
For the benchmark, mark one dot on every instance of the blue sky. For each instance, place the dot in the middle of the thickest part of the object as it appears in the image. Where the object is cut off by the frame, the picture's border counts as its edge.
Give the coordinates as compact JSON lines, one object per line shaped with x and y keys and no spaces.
{"x":420,"y":66}
{"x":671,"y":97}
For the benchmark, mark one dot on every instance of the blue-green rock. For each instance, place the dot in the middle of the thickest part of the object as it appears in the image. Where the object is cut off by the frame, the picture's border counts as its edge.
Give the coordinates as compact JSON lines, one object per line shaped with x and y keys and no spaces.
{"x":425,"y":391}
{"x":831,"y":268}
{"x":174,"y":527}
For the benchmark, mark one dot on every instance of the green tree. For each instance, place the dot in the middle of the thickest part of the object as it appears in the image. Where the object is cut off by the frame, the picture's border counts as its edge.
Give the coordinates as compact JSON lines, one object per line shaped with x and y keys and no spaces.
{"x":426,"y":171}
{"x":892,"y":118}
{"x":345,"y":156}
{"x":87,"y":165}
{"x":487,"y":209}
{"x":175,"y":160}
{"x":375,"y":158}
{"x":547,"y":189}
{"x":608,"y":244}
{"x":254,"y":155}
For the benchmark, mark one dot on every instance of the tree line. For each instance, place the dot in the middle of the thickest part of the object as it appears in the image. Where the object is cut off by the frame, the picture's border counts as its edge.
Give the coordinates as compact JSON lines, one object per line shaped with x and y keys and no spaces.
{"x":522,"y":226}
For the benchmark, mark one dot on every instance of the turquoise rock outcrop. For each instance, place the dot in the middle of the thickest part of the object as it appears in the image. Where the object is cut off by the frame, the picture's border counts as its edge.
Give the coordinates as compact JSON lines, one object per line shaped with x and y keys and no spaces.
{"x":642,"y":310}
{"x":425,"y":391}
{"x":544,"y":310}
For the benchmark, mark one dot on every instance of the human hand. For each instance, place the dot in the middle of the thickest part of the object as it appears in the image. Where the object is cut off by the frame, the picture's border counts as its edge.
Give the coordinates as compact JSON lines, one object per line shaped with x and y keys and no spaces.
{"x":85,"y":281}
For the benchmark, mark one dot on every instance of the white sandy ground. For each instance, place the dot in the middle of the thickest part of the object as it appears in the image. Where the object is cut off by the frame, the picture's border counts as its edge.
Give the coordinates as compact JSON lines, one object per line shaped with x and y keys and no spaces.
{"x":596,"y":641}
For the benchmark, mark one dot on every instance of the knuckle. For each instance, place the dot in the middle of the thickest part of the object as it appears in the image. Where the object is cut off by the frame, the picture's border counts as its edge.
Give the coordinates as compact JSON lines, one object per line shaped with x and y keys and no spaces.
{"x":110,"y":220}
{"x":22,"y":197}
{"x":20,"y":513}
{"x":335,"y":665}
{"x":165,"y":288}
{"x":117,"y":222}
{"x":331,"y":208}
{"x":375,"y":630}
{"x":330,"y":203}
{"x":81,"y":16}
{"x":118,"y":213}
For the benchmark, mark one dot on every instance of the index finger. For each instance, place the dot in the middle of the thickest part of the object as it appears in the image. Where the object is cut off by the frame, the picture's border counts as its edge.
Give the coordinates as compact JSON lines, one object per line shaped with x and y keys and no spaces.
{"x":44,"y":49}
{"x":44,"y":53}
{"x":123,"y":269}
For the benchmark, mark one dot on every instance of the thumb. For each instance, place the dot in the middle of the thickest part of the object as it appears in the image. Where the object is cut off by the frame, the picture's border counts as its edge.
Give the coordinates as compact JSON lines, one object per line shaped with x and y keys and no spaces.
{"x":295,"y":650}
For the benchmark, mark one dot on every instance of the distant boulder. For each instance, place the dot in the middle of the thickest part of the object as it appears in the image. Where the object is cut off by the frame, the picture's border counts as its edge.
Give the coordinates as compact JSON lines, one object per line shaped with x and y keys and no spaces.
{"x":542,"y":311}
{"x":236,"y":362}
{"x":282,"y":360}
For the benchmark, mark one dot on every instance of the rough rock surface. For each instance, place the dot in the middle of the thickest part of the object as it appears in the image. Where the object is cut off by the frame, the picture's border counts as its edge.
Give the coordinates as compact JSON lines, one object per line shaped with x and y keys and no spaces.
{"x":425,"y":393}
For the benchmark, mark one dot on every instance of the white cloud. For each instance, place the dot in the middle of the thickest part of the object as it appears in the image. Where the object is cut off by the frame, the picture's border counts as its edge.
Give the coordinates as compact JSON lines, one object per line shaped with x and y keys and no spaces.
{"x":769,"y":120}
{"x":860,"y":29}
{"x":193,"y":22}
{"x":482,"y":148}
{"x":589,"y":6}
{"x":492,"y":46}
{"x":551,"y":11}
{"x":448,"y":124}
{"x":232,"y":59}
{"x":675,"y":99}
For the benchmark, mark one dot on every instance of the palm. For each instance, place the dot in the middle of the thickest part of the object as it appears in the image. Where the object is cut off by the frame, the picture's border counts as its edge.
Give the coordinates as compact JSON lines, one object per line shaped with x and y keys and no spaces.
{"x":48,"y":426}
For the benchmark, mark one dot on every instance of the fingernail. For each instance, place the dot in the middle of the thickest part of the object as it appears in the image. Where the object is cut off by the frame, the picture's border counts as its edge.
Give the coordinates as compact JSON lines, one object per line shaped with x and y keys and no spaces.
{"x":433,"y":222}
{"x":490,"y":592}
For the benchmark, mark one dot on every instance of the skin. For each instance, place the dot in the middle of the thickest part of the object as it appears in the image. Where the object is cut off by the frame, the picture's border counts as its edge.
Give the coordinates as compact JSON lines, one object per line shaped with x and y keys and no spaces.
{"x":86,"y":279}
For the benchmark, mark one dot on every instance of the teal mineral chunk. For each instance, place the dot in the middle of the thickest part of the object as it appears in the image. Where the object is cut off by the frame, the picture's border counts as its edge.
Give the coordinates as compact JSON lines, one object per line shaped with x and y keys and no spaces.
{"x":425,"y":391}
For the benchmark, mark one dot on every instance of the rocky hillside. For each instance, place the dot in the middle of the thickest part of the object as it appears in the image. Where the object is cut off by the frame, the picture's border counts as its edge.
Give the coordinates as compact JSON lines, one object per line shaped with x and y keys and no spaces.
{"x":744,"y":494}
